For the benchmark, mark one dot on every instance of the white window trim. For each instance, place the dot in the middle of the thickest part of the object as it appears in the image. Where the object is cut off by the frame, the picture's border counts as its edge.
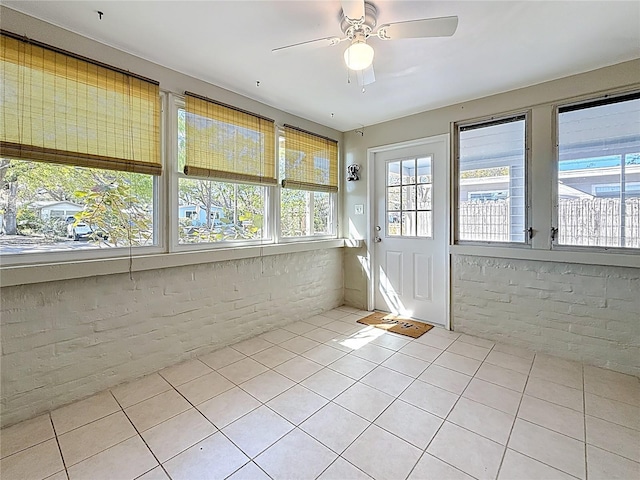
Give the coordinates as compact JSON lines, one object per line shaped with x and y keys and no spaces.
{"x":542,"y":201}
{"x":171,"y":159}
{"x":184,"y":247}
{"x":455,"y":148}
{"x":76,"y":255}
{"x":333,"y":198}
{"x":159,"y":219}
{"x":27,"y":268}
{"x":557,"y":255}
{"x":28,"y":274}
{"x":386,"y":199}
{"x":278,"y":237}
{"x":269,"y":231}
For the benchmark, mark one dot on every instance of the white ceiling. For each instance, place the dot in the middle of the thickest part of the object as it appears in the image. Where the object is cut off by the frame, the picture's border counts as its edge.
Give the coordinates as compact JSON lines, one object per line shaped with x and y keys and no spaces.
{"x":499,"y":46}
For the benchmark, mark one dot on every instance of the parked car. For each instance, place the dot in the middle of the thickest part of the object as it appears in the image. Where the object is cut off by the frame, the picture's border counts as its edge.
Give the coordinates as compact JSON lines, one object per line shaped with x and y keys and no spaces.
{"x":83,"y":230}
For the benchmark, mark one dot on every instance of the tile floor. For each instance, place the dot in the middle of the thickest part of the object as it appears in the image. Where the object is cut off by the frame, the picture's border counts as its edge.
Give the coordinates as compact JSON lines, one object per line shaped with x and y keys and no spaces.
{"x":329,"y":398}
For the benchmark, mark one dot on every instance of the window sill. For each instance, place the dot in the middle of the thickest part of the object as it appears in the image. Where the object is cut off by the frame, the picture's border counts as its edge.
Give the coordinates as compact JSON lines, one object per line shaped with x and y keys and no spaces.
{"x":616,"y":259}
{"x":39,"y":273}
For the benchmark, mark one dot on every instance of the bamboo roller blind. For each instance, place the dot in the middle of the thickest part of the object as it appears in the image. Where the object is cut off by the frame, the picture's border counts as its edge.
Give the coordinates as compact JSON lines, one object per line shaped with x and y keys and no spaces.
{"x":311,"y":161}
{"x":60,"y":108}
{"x":227,"y":143}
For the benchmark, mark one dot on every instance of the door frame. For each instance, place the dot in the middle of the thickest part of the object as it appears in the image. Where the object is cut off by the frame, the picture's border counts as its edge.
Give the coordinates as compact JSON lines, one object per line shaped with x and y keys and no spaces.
{"x":371,"y":220}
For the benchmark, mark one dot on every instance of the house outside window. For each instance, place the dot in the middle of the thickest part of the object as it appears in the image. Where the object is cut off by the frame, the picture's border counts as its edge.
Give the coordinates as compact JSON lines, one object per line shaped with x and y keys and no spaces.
{"x":598,"y":173}
{"x":116,"y":207}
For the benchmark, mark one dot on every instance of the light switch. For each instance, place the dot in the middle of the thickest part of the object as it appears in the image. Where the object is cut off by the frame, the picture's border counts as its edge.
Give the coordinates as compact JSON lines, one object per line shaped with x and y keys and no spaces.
{"x":359,"y":209}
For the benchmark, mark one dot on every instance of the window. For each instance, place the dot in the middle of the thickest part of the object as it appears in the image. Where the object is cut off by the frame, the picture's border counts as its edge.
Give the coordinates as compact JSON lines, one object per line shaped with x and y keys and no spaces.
{"x":308,"y":166}
{"x":113,"y":209}
{"x":80,"y":152}
{"x":598,"y":184}
{"x":81,"y":164}
{"x":491,"y":181}
{"x":408,"y":198}
{"x":304,"y":214}
{"x":227,"y":143}
{"x":224,"y":208}
{"x":212,"y":211}
{"x":235,"y":149}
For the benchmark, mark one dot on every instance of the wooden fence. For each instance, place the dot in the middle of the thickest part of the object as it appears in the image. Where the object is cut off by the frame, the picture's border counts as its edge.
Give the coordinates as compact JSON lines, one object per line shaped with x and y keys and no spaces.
{"x":589,"y":221}
{"x":599,"y":222}
{"x":484,"y":221}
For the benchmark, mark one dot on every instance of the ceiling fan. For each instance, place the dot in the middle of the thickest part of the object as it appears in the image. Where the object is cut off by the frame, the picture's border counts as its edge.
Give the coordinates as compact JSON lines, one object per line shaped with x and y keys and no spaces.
{"x":358,"y":20}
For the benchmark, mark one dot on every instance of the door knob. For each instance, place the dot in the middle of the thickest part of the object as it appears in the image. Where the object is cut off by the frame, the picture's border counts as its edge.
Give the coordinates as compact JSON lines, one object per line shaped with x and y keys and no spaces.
{"x":377,"y":240}
{"x":378,"y":228}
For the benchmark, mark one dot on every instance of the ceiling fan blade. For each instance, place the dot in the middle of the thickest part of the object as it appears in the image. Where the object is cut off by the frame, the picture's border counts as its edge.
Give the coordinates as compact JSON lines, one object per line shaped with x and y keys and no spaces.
{"x":366,"y":76}
{"x":427,"y":27}
{"x":311,"y":44}
{"x":353,"y":9}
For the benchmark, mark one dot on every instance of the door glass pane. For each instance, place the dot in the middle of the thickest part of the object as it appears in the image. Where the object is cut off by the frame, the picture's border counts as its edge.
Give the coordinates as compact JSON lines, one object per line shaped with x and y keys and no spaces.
{"x":393,"y":224}
{"x":409,"y":198}
{"x":408,"y":172}
{"x":424,"y":170}
{"x":424,"y":197}
{"x":408,"y":224}
{"x":393,"y":198}
{"x":403,"y":202}
{"x":393,"y":173}
{"x":424,"y":224}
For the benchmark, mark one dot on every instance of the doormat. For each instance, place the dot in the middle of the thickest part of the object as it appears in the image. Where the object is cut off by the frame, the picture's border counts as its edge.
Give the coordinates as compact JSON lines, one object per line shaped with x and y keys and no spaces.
{"x":396,"y":324}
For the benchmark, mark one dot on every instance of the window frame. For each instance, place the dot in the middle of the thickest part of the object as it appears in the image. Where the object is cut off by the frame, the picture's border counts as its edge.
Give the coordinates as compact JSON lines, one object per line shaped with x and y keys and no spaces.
{"x":585,"y":102}
{"x":333,"y":199}
{"x":159,"y":225}
{"x":505,"y":117}
{"x":175,"y":175}
{"x":267,"y":240}
{"x":400,"y":160}
{"x":165,"y":199}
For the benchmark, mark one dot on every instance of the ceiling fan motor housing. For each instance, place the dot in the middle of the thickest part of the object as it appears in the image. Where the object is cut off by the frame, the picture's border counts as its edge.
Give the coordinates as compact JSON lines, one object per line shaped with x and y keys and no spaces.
{"x":351,"y":26}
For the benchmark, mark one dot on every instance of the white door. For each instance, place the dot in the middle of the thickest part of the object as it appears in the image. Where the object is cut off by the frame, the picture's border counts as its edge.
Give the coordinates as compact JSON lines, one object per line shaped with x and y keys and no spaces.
{"x":410,"y":234}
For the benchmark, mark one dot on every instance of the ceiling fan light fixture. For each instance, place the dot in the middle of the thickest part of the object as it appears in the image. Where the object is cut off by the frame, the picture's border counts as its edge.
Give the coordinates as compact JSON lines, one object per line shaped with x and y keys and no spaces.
{"x":359,"y":55}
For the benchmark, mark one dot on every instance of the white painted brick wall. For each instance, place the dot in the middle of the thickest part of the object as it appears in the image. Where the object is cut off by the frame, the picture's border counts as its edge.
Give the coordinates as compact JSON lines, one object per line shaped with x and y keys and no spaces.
{"x":587,"y":313}
{"x":62,"y":341}
{"x":355,"y":277}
